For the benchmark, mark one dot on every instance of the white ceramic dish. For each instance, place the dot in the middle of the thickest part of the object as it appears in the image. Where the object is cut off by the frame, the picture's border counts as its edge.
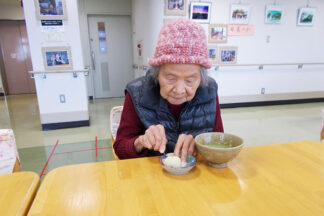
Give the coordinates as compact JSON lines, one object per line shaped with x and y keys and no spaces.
{"x":191,"y":162}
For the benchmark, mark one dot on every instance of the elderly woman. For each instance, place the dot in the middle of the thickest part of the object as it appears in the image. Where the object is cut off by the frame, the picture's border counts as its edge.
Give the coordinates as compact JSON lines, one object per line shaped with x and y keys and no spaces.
{"x":175,"y":101}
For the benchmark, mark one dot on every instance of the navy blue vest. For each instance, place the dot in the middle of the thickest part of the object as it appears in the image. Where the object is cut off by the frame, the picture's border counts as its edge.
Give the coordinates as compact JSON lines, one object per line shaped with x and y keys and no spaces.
{"x":197,"y":116}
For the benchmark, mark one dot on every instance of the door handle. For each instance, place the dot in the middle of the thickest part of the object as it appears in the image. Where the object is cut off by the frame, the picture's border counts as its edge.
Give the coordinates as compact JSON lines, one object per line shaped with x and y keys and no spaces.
{"x":93,"y":62}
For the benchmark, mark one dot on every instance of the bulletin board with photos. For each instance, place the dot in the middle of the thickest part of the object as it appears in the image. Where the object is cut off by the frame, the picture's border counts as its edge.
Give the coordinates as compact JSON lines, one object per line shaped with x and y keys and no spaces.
{"x":57,"y":58}
{"x":200,"y":12}
{"x":50,"y":9}
{"x":227,"y":55}
{"x":217,"y":33}
{"x":240,"y":25}
{"x":176,"y":7}
{"x":212,"y":54}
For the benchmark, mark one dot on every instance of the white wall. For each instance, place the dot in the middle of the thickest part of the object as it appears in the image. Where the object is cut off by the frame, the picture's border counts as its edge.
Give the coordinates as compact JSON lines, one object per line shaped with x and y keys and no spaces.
{"x":147,"y":18}
{"x":288,"y":43}
{"x":49,"y":89}
{"x":11,"y":12}
{"x":97,"y":7}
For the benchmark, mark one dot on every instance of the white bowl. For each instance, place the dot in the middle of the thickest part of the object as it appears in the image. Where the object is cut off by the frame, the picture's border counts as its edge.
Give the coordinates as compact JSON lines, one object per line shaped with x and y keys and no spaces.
{"x":191,"y":162}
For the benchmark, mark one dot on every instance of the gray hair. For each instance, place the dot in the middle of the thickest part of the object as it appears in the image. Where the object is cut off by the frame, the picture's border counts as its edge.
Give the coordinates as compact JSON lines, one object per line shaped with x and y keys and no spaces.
{"x":154,"y":72}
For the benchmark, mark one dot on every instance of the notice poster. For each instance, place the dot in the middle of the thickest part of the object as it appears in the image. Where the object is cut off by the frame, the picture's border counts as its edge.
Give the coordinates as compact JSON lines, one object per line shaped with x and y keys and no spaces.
{"x":52,"y":26}
{"x":240,"y":30}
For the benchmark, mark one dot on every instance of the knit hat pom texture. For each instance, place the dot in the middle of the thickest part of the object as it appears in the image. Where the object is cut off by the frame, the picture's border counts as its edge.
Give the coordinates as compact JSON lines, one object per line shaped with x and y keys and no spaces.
{"x":181,"y":42}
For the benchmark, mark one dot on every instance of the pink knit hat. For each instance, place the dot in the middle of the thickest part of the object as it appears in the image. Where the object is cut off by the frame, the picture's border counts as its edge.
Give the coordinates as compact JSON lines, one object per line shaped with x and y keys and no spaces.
{"x":181,"y":42}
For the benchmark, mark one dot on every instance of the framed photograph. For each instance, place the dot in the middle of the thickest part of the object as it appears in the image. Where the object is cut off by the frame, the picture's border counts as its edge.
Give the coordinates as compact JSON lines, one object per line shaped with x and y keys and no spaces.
{"x":212,"y":54}
{"x":176,"y":7}
{"x":273,"y":14}
{"x":227,"y":55}
{"x":306,"y":16}
{"x":50,"y":9}
{"x":200,"y":12}
{"x":240,"y":14}
{"x":217,"y":33}
{"x":57,"y":58}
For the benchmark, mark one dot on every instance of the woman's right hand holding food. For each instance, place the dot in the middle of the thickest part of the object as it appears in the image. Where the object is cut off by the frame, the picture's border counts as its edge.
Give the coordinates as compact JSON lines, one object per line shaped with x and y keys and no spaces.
{"x":154,"y":138}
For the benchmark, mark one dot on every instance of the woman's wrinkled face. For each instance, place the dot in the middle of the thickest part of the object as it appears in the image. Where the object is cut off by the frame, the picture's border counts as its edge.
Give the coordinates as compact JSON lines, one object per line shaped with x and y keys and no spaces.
{"x":179,"y":82}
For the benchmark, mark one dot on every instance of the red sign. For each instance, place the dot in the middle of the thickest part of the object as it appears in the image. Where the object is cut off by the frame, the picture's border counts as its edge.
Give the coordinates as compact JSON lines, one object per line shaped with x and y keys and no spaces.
{"x":236,"y":30}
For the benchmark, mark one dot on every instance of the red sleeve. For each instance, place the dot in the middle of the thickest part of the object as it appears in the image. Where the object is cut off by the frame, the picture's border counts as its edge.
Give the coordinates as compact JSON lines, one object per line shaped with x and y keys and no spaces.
{"x":129,"y":129}
{"x":218,"y":127}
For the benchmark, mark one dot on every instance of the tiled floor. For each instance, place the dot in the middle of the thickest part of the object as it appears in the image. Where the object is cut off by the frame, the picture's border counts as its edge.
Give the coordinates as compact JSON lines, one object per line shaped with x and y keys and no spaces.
{"x":256,"y":125}
{"x":34,"y":158}
{"x":24,"y":119}
{"x":274,"y":124}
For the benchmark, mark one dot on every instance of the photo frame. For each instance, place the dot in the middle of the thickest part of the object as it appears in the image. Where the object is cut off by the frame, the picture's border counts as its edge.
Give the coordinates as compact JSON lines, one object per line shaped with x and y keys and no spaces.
{"x":306,"y":16}
{"x":240,"y":14}
{"x":273,"y":14}
{"x":175,"y":7}
{"x":200,"y":11}
{"x":217,"y":33}
{"x":57,"y":58}
{"x":227,"y":55}
{"x":212,"y":54}
{"x":50,"y":9}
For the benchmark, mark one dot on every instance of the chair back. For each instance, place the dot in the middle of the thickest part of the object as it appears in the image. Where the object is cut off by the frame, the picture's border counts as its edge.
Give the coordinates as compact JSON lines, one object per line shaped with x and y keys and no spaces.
{"x":115,"y":115}
{"x":9,"y":158}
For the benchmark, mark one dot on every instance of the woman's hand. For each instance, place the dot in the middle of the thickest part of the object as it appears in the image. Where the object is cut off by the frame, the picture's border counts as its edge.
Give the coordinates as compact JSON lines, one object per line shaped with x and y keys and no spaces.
{"x":154,"y":138}
{"x":185,"y":145}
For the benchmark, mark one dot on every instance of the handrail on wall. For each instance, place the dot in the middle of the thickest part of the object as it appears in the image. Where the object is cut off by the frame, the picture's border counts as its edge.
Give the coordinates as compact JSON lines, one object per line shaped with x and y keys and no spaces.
{"x":260,"y":66}
{"x":74,"y":72}
{"x":143,"y":67}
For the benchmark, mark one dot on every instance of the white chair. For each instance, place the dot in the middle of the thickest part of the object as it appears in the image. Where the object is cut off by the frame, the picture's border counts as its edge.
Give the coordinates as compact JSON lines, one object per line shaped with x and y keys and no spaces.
{"x":9,"y":158}
{"x":115,"y":115}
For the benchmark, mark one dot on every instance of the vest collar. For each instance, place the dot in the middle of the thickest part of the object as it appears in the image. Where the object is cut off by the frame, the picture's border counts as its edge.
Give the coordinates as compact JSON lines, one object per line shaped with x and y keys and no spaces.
{"x":203,"y":95}
{"x":151,"y":98}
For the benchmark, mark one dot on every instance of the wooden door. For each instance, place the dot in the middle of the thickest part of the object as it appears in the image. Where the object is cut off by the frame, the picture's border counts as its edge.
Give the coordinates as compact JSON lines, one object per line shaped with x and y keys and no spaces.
{"x":16,"y":57}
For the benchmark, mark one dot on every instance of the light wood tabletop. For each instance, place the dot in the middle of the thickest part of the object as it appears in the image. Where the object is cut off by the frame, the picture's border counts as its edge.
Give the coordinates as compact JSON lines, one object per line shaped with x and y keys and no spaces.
{"x":17,"y":192}
{"x":279,"y":179}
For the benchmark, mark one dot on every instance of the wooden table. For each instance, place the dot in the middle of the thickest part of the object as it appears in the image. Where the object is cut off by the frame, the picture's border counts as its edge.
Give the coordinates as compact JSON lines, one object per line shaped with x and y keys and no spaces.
{"x":17,"y":191}
{"x":279,"y":179}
